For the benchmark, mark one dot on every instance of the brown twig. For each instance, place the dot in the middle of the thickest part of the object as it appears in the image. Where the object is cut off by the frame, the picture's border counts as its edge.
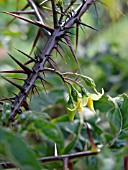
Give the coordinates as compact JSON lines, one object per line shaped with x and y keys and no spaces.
{"x":7,"y":165}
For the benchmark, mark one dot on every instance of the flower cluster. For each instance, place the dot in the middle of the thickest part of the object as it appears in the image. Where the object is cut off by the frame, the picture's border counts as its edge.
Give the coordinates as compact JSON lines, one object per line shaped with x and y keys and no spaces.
{"x":78,"y":100}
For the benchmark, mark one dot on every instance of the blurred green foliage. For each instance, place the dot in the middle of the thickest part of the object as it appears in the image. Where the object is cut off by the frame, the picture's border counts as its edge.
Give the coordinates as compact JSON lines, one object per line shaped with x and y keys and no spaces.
{"x":102,"y":56}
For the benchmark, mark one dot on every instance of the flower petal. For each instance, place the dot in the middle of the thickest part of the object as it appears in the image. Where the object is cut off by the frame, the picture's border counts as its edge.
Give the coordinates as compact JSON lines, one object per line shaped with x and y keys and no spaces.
{"x":96,"y":96}
{"x":90,"y":104}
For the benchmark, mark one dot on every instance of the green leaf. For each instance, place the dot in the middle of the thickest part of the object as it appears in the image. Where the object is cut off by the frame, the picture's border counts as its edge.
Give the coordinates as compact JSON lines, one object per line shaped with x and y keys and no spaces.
{"x":6,"y":112}
{"x":70,"y":146}
{"x":46,"y":101}
{"x":89,"y":81}
{"x":53,"y":134}
{"x":63,"y":118}
{"x":14,"y":149}
{"x":118,"y":115}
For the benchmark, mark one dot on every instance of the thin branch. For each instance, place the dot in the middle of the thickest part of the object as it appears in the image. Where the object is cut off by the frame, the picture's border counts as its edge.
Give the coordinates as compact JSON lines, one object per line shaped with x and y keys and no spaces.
{"x":6,"y":165}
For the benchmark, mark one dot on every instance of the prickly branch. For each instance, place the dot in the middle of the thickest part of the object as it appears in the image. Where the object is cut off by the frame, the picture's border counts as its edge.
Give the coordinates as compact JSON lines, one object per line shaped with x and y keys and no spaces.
{"x":63,"y":21}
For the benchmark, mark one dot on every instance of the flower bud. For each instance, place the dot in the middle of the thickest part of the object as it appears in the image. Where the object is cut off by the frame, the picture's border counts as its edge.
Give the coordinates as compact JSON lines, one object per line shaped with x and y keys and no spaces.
{"x":71,"y":109}
{"x":75,"y":94}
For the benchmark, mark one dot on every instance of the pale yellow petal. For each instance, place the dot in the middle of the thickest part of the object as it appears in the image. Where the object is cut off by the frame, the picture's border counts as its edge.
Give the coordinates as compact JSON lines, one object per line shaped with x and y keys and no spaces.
{"x":96,"y":96}
{"x":80,"y":107}
{"x":84,"y":101}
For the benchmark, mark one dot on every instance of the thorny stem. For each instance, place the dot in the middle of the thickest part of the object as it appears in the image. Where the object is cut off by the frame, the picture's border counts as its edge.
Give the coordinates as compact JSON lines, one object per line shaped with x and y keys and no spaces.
{"x":6,"y":165}
{"x":58,"y":33}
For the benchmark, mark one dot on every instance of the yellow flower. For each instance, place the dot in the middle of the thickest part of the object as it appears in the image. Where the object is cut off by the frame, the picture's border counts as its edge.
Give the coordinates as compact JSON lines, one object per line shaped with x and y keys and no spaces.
{"x":78,"y":100}
{"x":90,"y":104}
{"x":94,"y":97}
{"x":87,"y":98}
{"x":79,"y":106}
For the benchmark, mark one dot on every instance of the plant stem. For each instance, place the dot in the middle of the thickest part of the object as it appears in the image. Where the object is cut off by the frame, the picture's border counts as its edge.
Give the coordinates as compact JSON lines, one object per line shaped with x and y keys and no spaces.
{"x":58,"y":33}
{"x":6,"y":165}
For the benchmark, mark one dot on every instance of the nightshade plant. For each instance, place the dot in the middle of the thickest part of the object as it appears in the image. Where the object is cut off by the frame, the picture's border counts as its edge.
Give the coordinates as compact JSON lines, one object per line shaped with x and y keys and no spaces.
{"x":63,"y":20}
{"x":81,"y":89}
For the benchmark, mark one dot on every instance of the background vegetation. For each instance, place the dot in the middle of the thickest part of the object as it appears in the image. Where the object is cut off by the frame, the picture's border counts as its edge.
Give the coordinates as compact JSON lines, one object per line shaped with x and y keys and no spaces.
{"x":102,"y":56}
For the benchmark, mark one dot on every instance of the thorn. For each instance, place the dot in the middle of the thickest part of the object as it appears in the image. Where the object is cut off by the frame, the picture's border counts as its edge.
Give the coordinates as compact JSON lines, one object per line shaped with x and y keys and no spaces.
{"x":35,"y":41}
{"x":19,"y":79}
{"x":55,"y":17}
{"x":55,"y":150}
{"x":8,"y":98}
{"x":28,"y":62}
{"x":23,"y":12}
{"x":14,"y":94}
{"x":30,"y":21}
{"x":37,"y":57}
{"x":34,"y":60}
{"x":16,"y":85}
{"x":44,"y":80}
{"x":70,"y":46}
{"x":13,"y":71}
{"x":58,"y":51}
{"x":25,"y":7}
{"x":71,"y":33}
{"x":96,"y":10}
{"x":36,"y":88}
{"x":32,"y":93}
{"x":52,"y":64}
{"x":39,"y":50}
{"x":43,"y":85}
{"x":63,"y":41}
{"x":26,"y":69}
{"x":25,"y":105}
{"x":49,"y":58}
{"x":77,"y":34}
{"x":86,"y":25}
{"x":61,"y":47}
